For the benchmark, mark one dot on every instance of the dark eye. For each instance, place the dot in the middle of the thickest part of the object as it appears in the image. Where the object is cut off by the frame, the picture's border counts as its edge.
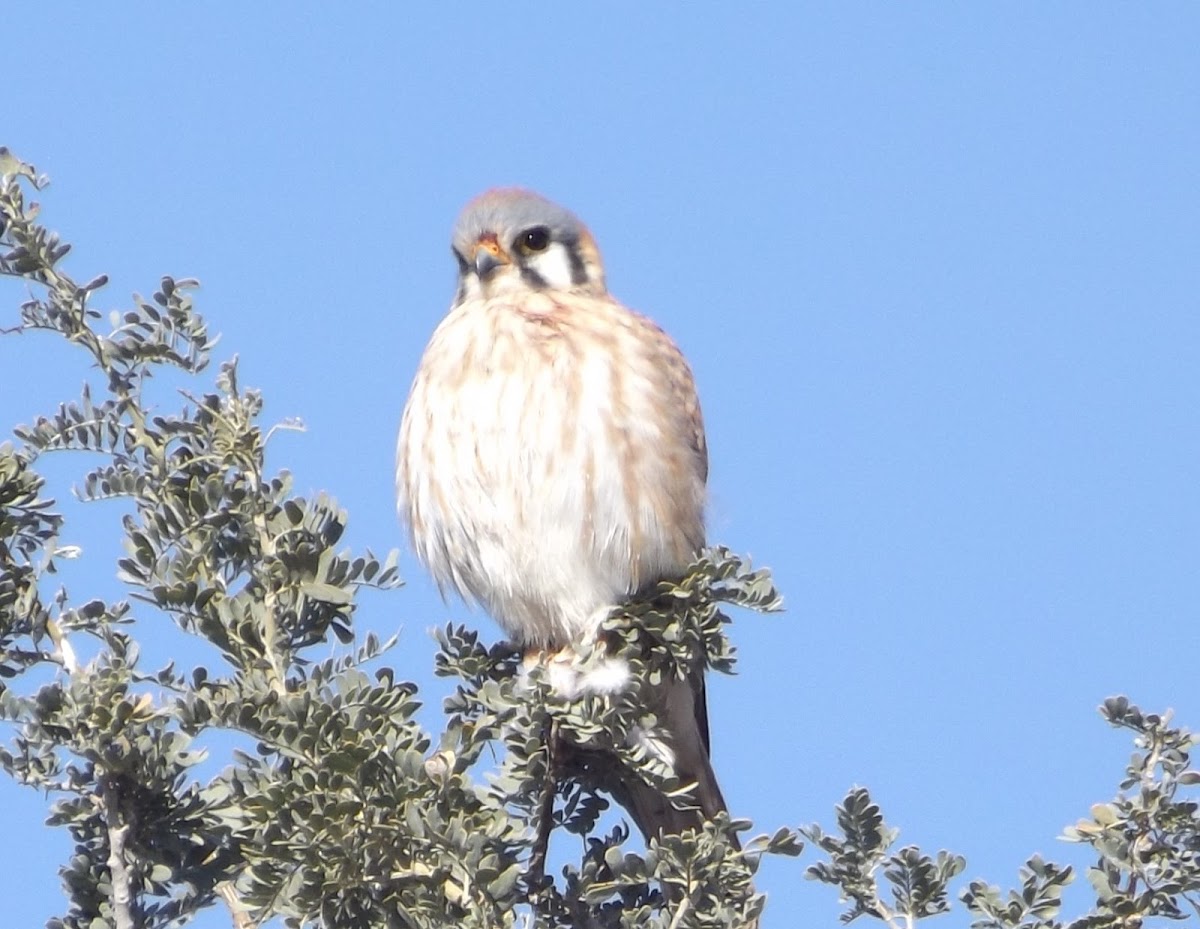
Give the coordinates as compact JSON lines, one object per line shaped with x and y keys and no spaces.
{"x":534,"y":240}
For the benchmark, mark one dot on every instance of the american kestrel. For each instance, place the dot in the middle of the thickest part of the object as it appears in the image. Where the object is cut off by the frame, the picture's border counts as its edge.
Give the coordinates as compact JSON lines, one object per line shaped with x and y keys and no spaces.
{"x":552,"y":461}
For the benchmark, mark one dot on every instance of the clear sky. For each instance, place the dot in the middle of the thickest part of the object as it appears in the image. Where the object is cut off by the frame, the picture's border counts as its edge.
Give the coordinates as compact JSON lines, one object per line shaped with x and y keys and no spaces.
{"x":934,"y":265}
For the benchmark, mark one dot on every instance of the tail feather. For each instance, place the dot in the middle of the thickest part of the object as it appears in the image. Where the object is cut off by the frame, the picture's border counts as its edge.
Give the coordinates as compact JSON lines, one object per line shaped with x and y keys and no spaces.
{"x":681,"y":742}
{"x":684,"y":717}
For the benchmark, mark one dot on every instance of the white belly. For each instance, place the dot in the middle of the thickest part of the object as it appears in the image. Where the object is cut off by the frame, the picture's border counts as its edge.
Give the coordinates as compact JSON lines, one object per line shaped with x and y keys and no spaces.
{"x":545,"y":468}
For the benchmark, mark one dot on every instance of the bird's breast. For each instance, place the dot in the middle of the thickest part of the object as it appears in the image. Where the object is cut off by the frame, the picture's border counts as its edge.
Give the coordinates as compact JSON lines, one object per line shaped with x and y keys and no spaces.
{"x":544,"y":469}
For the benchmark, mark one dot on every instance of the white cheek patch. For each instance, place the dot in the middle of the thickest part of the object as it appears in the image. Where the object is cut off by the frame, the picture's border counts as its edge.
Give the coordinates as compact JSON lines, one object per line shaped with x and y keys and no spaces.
{"x":553,"y":266}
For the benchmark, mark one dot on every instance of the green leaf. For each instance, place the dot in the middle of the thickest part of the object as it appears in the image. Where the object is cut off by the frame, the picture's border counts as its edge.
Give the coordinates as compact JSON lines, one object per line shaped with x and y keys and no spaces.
{"x":327,"y":593}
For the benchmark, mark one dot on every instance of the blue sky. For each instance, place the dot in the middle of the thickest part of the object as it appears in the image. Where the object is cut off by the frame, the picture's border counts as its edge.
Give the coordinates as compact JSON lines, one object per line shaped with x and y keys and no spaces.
{"x":935,"y":267}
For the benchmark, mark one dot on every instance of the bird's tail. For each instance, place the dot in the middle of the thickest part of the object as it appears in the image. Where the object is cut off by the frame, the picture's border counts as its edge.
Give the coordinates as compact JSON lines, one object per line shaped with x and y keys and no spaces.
{"x":684,"y":719}
{"x":680,"y":740}
{"x":683,"y":716}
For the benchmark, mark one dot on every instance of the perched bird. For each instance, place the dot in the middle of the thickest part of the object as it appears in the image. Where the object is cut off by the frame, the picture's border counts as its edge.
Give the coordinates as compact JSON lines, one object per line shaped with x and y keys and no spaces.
{"x":552,"y":462}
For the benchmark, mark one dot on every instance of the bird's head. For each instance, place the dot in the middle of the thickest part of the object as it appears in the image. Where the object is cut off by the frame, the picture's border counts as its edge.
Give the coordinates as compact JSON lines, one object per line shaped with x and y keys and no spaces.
{"x":510,"y":240}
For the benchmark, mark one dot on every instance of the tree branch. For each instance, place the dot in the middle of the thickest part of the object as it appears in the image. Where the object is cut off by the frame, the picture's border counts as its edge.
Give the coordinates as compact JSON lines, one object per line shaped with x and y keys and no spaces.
{"x":118,"y":864}
{"x":237,"y":910}
{"x":537,"y":860}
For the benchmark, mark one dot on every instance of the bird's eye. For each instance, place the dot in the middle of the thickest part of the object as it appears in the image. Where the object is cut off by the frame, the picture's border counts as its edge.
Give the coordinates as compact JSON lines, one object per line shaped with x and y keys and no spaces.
{"x":534,"y":240}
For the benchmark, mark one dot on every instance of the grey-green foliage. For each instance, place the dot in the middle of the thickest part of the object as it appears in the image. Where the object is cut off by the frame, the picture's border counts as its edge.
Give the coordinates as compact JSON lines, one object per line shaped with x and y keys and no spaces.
{"x":917,"y":884}
{"x":346,"y":812}
{"x":1146,"y":842}
{"x":678,"y":627}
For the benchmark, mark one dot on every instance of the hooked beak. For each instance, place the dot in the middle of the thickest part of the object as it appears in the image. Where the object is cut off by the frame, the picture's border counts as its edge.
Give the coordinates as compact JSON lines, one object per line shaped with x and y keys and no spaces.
{"x":488,"y":257}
